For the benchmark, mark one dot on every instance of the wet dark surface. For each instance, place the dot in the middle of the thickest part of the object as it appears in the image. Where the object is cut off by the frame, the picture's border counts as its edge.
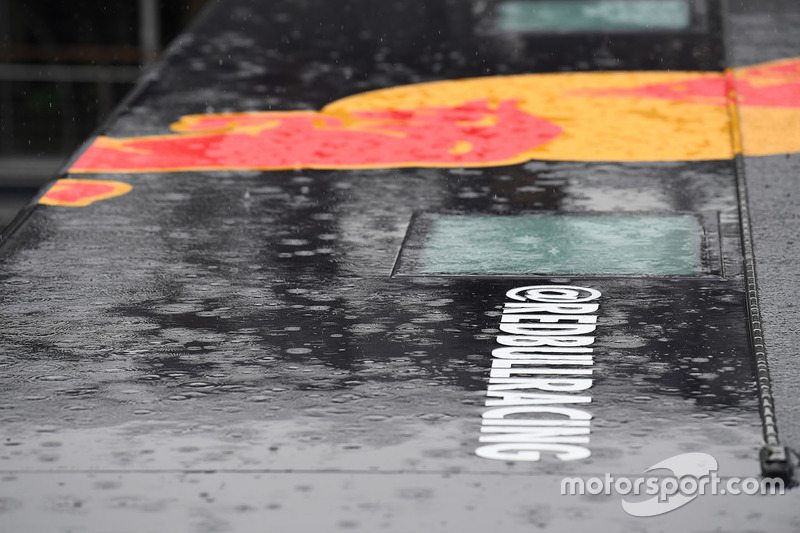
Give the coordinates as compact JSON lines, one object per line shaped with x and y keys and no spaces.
{"x":219,"y":350}
{"x":265,"y":299}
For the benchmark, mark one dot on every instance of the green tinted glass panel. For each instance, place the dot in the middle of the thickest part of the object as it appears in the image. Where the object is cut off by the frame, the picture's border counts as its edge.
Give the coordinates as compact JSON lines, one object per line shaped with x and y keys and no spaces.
{"x":593,"y":15}
{"x":562,"y":244}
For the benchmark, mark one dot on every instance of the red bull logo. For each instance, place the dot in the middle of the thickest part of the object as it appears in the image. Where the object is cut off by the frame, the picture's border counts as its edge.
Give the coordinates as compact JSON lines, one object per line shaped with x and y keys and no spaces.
{"x":773,"y":85}
{"x":480,"y":122}
{"x":468,"y":134}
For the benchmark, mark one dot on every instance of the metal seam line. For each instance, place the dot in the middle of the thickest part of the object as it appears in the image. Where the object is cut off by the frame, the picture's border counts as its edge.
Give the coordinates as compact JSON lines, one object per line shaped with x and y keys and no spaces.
{"x":773,"y":455}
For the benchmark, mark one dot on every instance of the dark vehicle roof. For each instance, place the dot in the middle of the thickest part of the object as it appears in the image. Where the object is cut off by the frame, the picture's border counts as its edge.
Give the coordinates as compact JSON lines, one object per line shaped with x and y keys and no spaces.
{"x":210,"y":344}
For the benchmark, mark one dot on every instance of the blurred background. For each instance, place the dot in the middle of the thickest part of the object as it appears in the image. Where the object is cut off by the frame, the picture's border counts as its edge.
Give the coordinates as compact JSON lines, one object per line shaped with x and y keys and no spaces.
{"x":64,"y":66}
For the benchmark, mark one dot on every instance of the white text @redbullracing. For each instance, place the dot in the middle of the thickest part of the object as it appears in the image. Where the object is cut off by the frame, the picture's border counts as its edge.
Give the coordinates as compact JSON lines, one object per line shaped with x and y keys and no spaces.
{"x":541,"y":375}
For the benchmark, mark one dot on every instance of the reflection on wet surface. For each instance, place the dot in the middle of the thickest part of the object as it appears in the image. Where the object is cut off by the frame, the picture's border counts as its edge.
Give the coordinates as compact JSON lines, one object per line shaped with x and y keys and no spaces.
{"x":266,"y":302}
